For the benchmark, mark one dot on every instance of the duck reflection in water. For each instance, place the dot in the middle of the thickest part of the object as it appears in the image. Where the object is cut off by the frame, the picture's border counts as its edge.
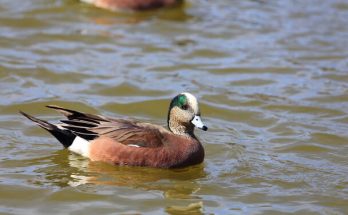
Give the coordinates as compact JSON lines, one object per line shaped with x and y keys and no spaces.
{"x":135,"y":5}
{"x":64,"y":169}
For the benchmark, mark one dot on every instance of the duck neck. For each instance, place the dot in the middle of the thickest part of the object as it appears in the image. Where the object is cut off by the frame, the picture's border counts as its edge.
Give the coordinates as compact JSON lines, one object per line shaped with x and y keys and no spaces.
{"x":179,"y":129}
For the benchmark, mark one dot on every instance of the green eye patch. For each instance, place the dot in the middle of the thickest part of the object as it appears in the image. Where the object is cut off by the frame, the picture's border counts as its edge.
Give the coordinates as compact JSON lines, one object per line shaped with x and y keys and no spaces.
{"x":179,"y":101}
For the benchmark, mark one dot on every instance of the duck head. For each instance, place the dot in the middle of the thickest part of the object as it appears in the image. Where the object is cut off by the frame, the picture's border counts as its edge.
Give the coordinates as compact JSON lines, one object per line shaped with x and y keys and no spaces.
{"x":184,"y":115}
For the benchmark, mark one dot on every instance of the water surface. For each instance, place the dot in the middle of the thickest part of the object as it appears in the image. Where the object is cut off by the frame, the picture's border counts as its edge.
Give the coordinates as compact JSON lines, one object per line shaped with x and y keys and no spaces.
{"x":271,"y":77}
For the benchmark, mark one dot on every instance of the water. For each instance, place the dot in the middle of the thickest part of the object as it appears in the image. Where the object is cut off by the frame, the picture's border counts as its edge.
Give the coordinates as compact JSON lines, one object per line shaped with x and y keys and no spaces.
{"x":271,"y":77}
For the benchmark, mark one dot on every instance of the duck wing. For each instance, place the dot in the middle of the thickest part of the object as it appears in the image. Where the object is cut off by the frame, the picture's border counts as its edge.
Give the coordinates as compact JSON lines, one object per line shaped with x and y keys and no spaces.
{"x":128,"y":132}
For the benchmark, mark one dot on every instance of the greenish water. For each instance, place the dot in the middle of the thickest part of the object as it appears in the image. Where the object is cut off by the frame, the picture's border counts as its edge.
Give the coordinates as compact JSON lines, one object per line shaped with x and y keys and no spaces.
{"x":271,"y":77}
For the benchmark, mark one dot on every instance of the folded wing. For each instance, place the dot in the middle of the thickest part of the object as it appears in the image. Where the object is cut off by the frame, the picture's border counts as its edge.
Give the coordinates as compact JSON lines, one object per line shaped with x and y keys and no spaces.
{"x":90,"y":126}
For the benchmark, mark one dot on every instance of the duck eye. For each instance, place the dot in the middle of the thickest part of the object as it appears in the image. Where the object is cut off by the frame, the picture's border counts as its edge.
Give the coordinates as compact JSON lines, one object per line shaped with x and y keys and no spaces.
{"x":184,"y":107}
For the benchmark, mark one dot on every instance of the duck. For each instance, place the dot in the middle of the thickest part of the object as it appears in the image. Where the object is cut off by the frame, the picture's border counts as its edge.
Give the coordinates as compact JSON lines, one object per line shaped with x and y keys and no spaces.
{"x":128,"y":142}
{"x":135,"y":5}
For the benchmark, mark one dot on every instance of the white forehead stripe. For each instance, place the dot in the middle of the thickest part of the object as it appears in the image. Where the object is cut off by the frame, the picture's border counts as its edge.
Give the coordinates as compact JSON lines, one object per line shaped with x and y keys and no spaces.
{"x":191,"y":99}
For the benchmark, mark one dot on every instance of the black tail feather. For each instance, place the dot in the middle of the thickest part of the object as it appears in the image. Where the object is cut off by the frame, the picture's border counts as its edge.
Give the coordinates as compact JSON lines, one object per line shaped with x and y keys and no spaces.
{"x":75,"y":115}
{"x":64,"y":136}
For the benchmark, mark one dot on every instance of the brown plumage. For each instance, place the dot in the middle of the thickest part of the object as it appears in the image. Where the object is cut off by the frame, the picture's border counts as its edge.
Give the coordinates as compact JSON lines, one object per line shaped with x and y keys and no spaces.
{"x":128,"y":142}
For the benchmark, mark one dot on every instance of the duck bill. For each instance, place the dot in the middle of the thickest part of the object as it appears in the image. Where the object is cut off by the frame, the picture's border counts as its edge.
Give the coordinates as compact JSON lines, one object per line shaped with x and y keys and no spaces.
{"x":198,"y":123}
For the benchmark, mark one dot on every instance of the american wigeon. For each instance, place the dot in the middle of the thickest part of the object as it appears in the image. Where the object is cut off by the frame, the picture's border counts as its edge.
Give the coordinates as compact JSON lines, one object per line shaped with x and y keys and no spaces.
{"x":128,"y":142}
{"x":132,"y":4}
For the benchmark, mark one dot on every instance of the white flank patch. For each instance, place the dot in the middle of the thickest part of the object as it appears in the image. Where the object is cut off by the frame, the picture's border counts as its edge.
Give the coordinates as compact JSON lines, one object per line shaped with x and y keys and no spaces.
{"x":80,"y":146}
